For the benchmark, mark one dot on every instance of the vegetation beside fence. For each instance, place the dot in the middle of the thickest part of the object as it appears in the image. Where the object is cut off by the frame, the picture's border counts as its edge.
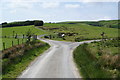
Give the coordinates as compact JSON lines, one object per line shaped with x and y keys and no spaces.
{"x":10,"y":42}
{"x":15,"y":39}
{"x":99,"y":59}
{"x":17,"y":58}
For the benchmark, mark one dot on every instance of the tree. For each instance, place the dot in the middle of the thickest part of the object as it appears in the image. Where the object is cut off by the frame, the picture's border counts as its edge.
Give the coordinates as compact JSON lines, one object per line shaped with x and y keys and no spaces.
{"x":29,"y":35}
{"x":4,"y":23}
{"x":38,"y":23}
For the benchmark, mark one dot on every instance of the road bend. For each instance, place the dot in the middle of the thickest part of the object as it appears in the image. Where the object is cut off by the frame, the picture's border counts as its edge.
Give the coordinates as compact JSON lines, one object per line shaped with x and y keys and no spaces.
{"x":56,"y":62}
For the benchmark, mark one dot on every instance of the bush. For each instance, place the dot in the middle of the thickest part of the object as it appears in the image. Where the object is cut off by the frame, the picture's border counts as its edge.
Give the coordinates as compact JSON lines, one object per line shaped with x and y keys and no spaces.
{"x":38,"y":23}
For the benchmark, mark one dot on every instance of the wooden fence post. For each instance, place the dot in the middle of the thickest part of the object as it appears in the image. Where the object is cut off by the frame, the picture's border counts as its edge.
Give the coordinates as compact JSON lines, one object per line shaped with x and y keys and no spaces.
{"x":18,"y":41}
{"x":3,"y":45}
{"x":23,"y":36}
{"x":16,"y":36}
{"x":34,"y":37}
{"x":49,"y":36}
{"x":12,"y":44}
{"x":5,"y":36}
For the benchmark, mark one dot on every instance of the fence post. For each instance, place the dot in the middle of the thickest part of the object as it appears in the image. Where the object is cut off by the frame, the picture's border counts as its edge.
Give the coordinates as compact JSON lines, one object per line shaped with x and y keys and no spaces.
{"x":4,"y":45}
{"x":50,"y":36}
{"x":5,"y":36}
{"x":12,"y":44}
{"x":23,"y":36}
{"x":16,"y":36}
{"x":18,"y":41}
{"x":36,"y":36}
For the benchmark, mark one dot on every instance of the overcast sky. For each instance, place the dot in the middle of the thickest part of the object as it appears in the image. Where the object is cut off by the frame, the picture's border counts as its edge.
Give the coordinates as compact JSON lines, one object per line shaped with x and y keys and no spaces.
{"x":58,"y":10}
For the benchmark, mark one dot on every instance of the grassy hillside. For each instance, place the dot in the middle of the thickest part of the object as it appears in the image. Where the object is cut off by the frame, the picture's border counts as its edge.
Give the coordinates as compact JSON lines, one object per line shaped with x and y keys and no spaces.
{"x":104,"y":23}
{"x":112,"y":23}
{"x":80,"y":31}
{"x":109,"y":24}
{"x":74,"y":31}
{"x":99,"y":59}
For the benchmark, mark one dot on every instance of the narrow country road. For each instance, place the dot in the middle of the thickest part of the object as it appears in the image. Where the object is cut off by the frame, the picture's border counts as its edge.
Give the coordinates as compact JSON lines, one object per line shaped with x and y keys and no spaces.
{"x":56,"y":62}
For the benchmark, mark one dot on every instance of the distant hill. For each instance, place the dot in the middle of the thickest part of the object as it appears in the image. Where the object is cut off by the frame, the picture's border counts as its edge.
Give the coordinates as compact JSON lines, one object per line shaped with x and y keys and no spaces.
{"x":106,"y":23}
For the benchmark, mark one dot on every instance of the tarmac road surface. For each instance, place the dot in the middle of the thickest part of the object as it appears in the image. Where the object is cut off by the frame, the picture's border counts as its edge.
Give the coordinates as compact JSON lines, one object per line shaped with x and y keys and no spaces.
{"x":56,"y":62}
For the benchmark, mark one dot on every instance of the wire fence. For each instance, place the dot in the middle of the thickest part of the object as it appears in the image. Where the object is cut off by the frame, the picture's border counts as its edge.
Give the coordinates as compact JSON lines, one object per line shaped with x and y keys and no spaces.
{"x":10,"y":41}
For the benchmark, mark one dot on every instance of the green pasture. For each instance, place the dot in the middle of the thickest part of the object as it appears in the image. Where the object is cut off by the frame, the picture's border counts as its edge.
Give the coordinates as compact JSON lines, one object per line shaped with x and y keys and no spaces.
{"x":20,"y":30}
{"x":8,"y":42}
{"x":84,"y":31}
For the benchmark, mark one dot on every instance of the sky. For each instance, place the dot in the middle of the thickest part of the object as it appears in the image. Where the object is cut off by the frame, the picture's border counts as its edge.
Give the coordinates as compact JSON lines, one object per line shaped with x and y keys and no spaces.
{"x":58,"y":10}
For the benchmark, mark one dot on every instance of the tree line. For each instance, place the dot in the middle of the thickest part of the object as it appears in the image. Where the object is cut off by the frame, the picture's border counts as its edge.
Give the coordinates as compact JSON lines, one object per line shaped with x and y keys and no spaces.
{"x":23,"y":23}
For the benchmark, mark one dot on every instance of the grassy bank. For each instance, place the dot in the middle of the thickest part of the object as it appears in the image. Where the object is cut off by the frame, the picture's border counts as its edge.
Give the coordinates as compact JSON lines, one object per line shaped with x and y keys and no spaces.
{"x":19,"y":63}
{"x":96,"y":60}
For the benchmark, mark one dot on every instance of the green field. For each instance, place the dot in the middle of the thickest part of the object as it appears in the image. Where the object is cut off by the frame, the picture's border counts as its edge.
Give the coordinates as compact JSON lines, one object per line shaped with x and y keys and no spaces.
{"x":81,"y":31}
{"x":8,"y":32}
{"x":18,"y":65}
{"x":8,"y":42}
{"x":20,"y":30}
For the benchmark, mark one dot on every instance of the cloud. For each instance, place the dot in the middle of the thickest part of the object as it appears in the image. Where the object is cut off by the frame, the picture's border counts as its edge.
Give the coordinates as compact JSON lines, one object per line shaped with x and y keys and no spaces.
{"x":86,"y":1}
{"x":20,"y":5}
{"x":15,"y":4}
{"x":62,"y":0}
{"x":72,"y":6}
{"x":50,"y":4}
{"x":20,"y":0}
{"x":98,"y":18}
{"x":105,"y":18}
{"x":13,"y":11}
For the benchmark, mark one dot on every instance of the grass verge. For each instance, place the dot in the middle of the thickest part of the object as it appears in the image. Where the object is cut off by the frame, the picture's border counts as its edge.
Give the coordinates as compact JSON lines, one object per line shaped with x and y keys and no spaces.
{"x":88,"y":65}
{"x":14,"y":69}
